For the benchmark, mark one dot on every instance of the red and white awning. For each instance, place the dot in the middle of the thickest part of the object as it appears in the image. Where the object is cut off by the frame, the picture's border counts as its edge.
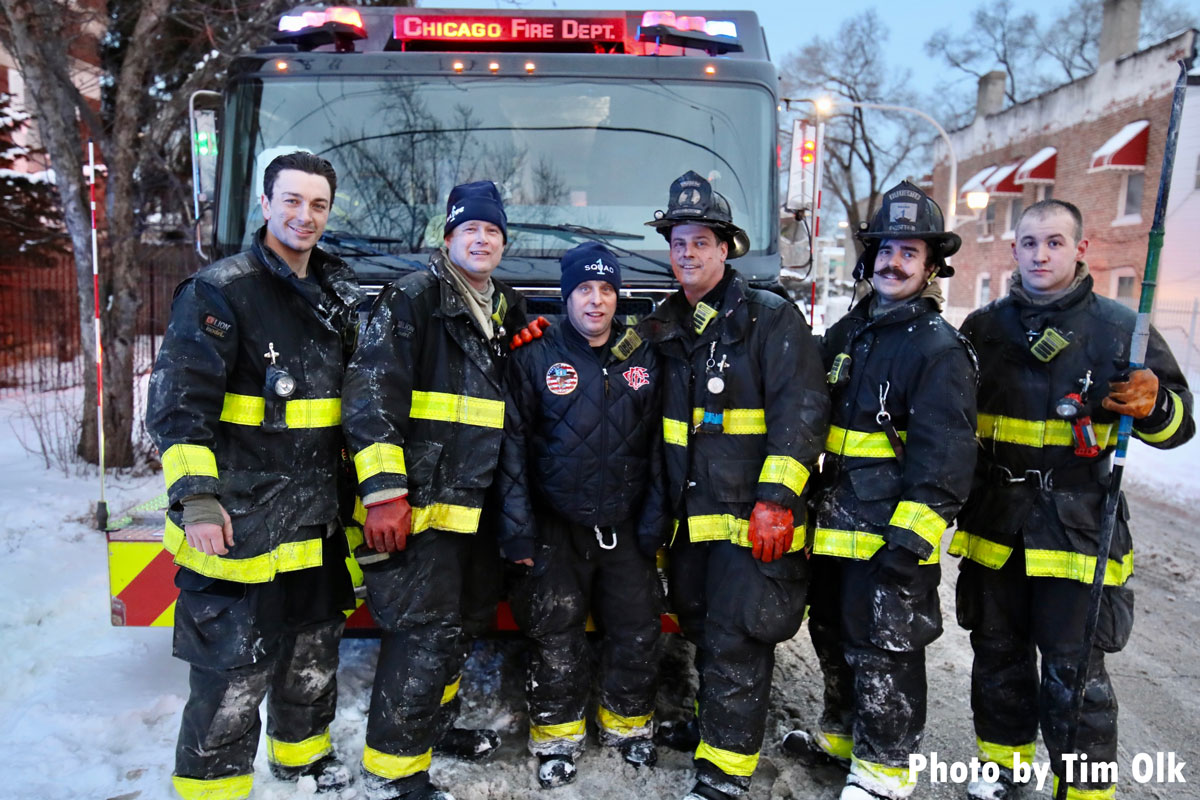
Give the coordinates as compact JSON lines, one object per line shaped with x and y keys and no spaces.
{"x":1000,"y":183}
{"x":1126,"y":150}
{"x":975,"y":184}
{"x":1039,"y":167}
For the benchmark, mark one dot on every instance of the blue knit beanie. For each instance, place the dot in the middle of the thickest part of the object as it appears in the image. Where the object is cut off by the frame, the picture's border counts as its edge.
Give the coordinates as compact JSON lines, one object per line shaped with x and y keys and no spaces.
{"x":590,"y":261}
{"x":479,"y":200}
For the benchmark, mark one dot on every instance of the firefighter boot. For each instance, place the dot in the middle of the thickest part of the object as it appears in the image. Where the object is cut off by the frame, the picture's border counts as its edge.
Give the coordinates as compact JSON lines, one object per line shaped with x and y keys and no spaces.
{"x":682,"y":735}
{"x":702,"y":791}
{"x":1004,"y":787}
{"x":412,"y":787}
{"x":329,"y":772}
{"x":639,"y":751}
{"x":556,"y":770}
{"x":808,"y":750}
{"x":468,"y":744}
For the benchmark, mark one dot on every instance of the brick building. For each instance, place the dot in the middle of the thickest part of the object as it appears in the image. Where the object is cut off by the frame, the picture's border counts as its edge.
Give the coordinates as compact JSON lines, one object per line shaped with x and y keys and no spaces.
{"x":1096,"y":142}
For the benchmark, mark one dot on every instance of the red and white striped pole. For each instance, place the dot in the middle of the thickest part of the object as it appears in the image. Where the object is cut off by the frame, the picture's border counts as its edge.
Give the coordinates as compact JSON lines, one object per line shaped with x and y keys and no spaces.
{"x":102,"y":506}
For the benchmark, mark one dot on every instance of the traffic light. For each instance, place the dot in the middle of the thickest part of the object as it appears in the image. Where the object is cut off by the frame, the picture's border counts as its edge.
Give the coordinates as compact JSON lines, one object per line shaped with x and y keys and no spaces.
{"x":802,"y":172}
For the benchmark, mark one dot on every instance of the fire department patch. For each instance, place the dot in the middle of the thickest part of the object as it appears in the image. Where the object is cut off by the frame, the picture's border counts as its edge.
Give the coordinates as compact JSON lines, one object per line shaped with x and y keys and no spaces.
{"x":214,"y":326}
{"x":561,"y":378}
{"x":636,"y":377}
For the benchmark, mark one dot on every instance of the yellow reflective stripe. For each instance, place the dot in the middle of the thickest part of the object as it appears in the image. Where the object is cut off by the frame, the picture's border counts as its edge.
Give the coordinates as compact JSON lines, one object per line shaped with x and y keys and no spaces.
{"x":727,"y":527}
{"x":859,"y":545}
{"x":675,"y":432}
{"x":1036,"y":432}
{"x":393,"y":767}
{"x":1003,"y":754}
{"x":235,"y":787}
{"x":786,"y":470}
{"x":188,"y":461}
{"x":920,"y":519}
{"x":378,"y":458}
{"x":737,"y":421}
{"x":460,"y":408}
{"x":1074,"y":793}
{"x":860,"y":444}
{"x":624,"y":726}
{"x":321,"y":412}
{"x":838,"y":745}
{"x":566,"y":730}
{"x":978,"y":549}
{"x":1169,"y":430}
{"x":897,"y":780}
{"x":445,"y":517}
{"x":299,"y":754}
{"x":451,"y":690}
{"x":727,"y":761}
{"x":1076,"y":566}
{"x":287,"y":557}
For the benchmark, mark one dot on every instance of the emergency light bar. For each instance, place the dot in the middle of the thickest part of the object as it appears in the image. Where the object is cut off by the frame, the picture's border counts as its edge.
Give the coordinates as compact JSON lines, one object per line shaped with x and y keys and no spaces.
{"x":716,"y":37}
{"x":337,"y":25}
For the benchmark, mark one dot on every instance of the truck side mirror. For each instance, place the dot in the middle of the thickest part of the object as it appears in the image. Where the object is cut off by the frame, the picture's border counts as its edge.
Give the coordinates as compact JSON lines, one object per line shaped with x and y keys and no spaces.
{"x":202,"y":113}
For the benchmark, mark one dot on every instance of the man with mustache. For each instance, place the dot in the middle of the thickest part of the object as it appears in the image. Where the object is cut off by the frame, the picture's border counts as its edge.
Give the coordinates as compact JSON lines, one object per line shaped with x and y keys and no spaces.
{"x":424,"y":418}
{"x":243,"y":403}
{"x":897,"y":468}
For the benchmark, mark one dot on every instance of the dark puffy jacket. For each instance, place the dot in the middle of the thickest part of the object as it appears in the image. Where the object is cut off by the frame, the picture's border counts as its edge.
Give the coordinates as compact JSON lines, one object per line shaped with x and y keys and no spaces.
{"x":926,"y":373}
{"x":1027,"y":452}
{"x":583,"y":438}
{"x":207,"y":404}
{"x":772,"y":417}
{"x":424,"y":400}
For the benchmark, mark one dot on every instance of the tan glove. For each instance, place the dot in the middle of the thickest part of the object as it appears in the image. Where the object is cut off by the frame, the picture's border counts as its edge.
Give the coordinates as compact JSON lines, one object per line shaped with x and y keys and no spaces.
{"x":1134,"y":397}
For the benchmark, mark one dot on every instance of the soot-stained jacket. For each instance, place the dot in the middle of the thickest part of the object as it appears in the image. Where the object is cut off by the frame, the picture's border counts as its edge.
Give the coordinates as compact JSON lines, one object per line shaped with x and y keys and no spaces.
{"x":424,"y":399}
{"x":1027,"y":452}
{"x":273,"y":462}
{"x":583,"y":439}
{"x":925,"y":373}
{"x":759,"y":437}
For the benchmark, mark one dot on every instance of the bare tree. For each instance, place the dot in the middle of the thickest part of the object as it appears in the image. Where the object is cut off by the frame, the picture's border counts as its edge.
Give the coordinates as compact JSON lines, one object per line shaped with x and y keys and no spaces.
{"x":153,"y":54}
{"x":865,"y":150}
{"x":997,"y":37}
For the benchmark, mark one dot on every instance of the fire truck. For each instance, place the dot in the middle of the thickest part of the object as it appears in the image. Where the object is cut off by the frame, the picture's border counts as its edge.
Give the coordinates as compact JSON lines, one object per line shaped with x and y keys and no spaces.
{"x":582,"y":119}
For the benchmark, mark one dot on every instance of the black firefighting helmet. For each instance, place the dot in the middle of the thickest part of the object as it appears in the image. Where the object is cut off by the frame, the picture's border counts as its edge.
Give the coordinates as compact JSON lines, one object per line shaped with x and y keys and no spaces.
{"x":694,"y":202}
{"x":907,"y":213}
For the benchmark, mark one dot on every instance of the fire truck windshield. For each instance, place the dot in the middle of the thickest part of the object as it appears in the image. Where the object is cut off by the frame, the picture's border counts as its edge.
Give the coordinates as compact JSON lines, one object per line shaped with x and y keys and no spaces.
{"x":565,"y":152}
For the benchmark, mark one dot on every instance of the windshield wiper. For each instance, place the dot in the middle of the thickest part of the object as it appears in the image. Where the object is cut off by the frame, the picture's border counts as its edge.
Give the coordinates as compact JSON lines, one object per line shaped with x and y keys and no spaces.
{"x":571,"y":232}
{"x":581,"y":230}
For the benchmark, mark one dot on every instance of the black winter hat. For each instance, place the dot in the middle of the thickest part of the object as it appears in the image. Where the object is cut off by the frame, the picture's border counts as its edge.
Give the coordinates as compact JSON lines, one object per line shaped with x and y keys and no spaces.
{"x":479,"y":200}
{"x":694,"y":202}
{"x":907,"y":213}
{"x":590,"y":261}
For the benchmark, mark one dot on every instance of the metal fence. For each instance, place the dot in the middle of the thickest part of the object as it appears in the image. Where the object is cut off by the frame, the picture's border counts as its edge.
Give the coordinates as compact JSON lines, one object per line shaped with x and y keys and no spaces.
{"x":39,"y":318}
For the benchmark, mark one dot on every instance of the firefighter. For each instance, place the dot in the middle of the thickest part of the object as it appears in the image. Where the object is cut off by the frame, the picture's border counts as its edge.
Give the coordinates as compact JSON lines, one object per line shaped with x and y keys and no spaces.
{"x":583,"y":518}
{"x":243,"y":404}
{"x":1053,"y":359}
{"x":424,"y":418}
{"x":745,"y":411}
{"x":897,"y":468}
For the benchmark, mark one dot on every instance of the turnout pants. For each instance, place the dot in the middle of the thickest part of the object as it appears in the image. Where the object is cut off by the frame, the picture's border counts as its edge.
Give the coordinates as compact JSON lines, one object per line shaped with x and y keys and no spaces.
{"x":572,"y":575}
{"x":1013,"y":617}
{"x":423,"y":598}
{"x":734,"y":609}
{"x":870,"y":638}
{"x":246,"y":641}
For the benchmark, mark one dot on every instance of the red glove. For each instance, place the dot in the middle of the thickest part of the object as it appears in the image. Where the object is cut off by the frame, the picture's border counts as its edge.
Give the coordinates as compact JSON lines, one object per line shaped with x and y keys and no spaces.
{"x":388,"y":525}
{"x":1134,"y":397}
{"x":771,"y":530}
{"x":530,"y":332}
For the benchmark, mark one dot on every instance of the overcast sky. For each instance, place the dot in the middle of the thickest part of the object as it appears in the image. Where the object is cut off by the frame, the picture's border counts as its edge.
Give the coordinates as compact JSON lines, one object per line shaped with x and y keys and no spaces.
{"x":792,"y":23}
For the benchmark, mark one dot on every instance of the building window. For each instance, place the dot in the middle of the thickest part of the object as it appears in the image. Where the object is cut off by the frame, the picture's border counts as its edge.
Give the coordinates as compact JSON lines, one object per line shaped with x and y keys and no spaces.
{"x":1129,"y":204}
{"x":984,"y":292}
{"x":987,"y":223}
{"x":1015,"y":206}
{"x":1125,"y":285}
{"x":1045,"y":191}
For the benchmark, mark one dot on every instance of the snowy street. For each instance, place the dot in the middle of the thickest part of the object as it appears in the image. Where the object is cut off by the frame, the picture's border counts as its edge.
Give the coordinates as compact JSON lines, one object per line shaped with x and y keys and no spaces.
{"x":91,"y":711}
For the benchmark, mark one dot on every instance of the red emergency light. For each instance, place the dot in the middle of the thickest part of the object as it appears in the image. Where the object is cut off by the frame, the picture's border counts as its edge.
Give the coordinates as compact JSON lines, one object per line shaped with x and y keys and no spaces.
{"x":336,"y":25}
{"x":475,"y":29}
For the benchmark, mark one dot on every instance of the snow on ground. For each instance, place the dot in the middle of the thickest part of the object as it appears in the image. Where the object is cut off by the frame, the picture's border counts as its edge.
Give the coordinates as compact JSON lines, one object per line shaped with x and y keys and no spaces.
{"x":91,"y":711}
